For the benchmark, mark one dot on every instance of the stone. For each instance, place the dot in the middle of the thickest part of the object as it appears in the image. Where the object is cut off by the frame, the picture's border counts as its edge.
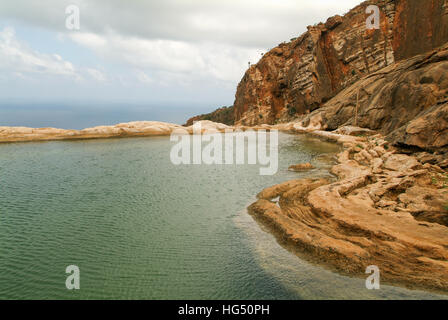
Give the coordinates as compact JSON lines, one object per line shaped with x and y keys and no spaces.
{"x":301,"y":167}
{"x":393,"y":218}
{"x":401,"y":162}
{"x":296,"y":78}
{"x":131,"y":129}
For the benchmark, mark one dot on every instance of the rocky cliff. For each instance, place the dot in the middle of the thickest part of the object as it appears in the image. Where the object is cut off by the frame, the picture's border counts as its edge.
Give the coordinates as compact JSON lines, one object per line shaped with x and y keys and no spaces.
{"x":299,"y":77}
{"x":407,"y":102}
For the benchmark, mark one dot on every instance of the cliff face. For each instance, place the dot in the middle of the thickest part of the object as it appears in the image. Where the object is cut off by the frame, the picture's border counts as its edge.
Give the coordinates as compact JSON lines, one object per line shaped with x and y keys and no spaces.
{"x":298,"y":77}
{"x":407,"y":101}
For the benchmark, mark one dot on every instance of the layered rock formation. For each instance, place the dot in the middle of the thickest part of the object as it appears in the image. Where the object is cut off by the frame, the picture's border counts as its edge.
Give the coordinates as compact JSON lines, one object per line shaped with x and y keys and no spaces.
{"x":122,"y":130}
{"x":300,"y":76}
{"x":407,"y":101}
{"x":386,"y":209}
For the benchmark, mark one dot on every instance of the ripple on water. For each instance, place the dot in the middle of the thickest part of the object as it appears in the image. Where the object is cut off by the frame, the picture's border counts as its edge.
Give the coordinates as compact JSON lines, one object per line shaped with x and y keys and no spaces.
{"x":139,"y":227}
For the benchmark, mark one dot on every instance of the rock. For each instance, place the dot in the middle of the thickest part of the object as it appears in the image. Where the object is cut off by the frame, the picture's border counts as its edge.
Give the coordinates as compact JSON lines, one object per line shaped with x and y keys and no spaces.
{"x":366,"y":155}
{"x":377,"y":165}
{"x":380,"y":151}
{"x":333,"y":22}
{"x":444,"y":164}
{"x":355,"y":131}
{"x":424,"y":132}
{"x":394,"y":218}
{"x":299,"y":77}
{"x":277,"y":190}
{"x":301,"y":167}
{"x":401,"y":162}
{"x":131,"y":129}
{"x":425,"y":158}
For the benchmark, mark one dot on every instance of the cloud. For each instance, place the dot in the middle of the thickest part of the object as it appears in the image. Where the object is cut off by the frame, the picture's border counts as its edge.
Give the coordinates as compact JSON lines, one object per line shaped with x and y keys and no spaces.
{"x":143,"y":77}
{"x":249,"y":23}
{"x":171,"y":47}
{"x":214,"y":60}
{"x":19,"y":58}
{"x":96,"y":74}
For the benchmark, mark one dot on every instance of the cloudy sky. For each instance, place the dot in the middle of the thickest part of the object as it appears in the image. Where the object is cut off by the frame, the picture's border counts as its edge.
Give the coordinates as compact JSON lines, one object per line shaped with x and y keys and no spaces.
{"x":170,"y":52}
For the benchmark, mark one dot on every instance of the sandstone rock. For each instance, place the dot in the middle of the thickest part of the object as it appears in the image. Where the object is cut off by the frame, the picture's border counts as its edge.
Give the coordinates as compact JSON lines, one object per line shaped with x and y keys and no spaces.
{"x":428,"y":131}
{"x":298,"y":77}
{"x":393,"y":218}
{"x":355,"y":131}
{"x":301,"y":167}
{"x":131,"y":129}
{"x":377,"y":165}
{"x":401,"y":162}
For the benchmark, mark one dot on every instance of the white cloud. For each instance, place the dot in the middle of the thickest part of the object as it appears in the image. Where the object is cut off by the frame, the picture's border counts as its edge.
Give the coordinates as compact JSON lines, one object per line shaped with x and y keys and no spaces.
{"x":19,"y":58}
{"x":143,"y":77}
{"x":96,"y":74}
{"x":218,"y":61}
{"x":183,"y":46}
{"x":89,"y":39}
{"x":248,"y":23}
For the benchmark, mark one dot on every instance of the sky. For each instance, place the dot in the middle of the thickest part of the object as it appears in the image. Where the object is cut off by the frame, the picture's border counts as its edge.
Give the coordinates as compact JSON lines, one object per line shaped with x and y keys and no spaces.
{"x":178,"y":54}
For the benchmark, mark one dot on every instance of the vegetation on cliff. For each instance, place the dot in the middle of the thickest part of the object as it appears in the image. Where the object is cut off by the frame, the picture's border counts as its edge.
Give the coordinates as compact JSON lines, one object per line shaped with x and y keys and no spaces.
{"x":224,"y":115}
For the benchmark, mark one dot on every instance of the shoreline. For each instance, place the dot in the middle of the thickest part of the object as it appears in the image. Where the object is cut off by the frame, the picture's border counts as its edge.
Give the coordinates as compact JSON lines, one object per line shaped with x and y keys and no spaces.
{"x":122,"y":130}
{"x":371,"y":215}
{"x":383,"y":208}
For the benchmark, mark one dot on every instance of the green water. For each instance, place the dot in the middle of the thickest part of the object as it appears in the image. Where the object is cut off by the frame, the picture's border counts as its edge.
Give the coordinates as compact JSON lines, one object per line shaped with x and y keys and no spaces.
{"x":139,"y":227}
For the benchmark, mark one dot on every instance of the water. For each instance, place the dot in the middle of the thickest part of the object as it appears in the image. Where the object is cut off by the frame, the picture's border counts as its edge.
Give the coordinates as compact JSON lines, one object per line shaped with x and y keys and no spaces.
{"x":86,"y":115}
{"x":139,"y":227}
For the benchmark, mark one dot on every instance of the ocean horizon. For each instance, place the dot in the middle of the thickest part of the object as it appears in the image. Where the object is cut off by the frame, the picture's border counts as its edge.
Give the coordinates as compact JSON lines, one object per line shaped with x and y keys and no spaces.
{"x":83,"y":115}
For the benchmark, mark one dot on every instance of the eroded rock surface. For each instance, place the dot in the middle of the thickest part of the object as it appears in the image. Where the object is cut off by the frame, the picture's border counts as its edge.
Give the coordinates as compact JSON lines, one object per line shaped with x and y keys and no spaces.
{"x":386,"y":209}
{"x":301,"y":167}
{"x":299,"y":77}
{"x":407,"y":102}
{"x":131,"y":129}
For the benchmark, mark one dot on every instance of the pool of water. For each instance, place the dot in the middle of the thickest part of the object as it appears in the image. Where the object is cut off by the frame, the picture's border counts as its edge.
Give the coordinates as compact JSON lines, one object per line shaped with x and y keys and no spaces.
{"x":139,"y":227}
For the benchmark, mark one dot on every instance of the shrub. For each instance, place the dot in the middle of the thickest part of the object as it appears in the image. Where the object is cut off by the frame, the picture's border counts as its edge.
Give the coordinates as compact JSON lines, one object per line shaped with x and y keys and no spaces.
{"x":291,"y":110}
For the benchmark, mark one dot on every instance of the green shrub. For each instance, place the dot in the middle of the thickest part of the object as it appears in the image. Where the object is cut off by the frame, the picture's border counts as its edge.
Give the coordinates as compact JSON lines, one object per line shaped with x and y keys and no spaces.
{"x":292,"y":111}
{"x":434,"y":181}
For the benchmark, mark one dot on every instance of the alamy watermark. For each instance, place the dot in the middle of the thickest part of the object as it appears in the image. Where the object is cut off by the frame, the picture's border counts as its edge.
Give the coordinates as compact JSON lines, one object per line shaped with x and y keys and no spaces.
{"x":373,"y":20}
{"x":73,"y":280}
{"x":226,"y":148}
{"x":373,"y":281}
{"x":73,"y":20}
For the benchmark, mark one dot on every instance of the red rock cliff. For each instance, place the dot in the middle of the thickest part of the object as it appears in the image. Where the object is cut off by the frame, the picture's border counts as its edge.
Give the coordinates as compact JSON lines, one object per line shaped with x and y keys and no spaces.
{"x":298,"y":77}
